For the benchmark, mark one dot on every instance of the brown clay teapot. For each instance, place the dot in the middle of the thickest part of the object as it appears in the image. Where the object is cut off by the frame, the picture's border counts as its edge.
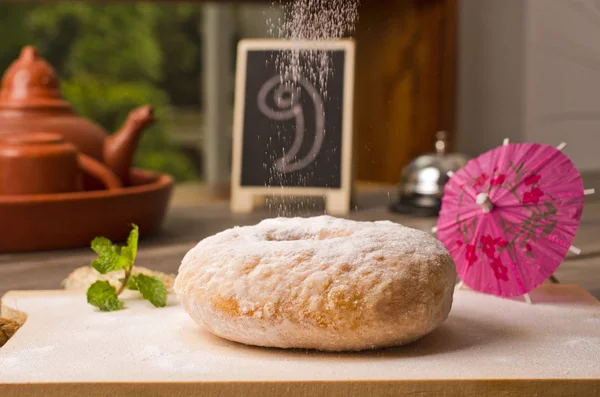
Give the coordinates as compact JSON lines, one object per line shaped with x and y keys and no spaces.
{"x":42,"y":163}
{"x":31,"y":101}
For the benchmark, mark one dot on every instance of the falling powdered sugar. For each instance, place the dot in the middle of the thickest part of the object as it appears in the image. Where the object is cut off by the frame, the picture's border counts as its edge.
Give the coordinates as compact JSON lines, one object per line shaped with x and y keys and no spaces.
{"x":312,"y":20}
{"x":304,"y":69}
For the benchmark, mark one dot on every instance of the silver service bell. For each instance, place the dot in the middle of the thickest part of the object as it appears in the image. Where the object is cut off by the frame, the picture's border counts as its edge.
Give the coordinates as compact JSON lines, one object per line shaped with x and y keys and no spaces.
{"x":422,"y":183}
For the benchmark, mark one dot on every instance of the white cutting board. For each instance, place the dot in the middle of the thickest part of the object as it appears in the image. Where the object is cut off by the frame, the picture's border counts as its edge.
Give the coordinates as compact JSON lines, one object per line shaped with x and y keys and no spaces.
{"x":487,"y":345}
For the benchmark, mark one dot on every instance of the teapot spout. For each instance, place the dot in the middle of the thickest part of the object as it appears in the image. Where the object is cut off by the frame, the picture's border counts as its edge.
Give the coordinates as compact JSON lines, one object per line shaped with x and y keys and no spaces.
{"x":119,"y":148}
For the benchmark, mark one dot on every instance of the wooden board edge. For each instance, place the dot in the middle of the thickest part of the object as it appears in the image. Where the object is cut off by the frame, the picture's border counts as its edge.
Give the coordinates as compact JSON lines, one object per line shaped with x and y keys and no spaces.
{"x":543,"y":293}
{"x":238,"y":125}
{"x":348,"y":147}
{"x":9,"y":312}
{"x":564,"y":290}
{"x":433,"y":388}
{"x":278,"y":44}
{"x":38,"y":292}
{"x":553,"y":293}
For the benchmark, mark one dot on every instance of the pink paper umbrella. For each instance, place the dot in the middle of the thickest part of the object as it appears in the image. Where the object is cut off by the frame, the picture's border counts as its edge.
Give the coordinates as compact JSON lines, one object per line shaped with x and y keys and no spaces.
{"x":509,"y":217}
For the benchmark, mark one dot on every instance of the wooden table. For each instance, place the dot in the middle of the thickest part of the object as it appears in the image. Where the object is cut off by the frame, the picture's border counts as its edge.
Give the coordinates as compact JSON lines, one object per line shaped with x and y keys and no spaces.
{"x":195,"y":214}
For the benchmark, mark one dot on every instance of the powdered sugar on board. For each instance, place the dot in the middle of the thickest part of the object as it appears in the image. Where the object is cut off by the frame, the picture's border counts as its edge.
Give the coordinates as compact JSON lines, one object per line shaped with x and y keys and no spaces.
{"x":66,"y":340}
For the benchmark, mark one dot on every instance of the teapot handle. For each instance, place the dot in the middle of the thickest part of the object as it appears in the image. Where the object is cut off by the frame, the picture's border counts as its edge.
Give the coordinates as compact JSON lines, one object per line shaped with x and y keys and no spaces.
{"x":99,"y":171}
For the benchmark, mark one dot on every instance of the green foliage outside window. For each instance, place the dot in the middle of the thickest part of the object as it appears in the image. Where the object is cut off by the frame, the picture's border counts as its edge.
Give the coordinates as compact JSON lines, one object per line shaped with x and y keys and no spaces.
{"x":114,"y":58}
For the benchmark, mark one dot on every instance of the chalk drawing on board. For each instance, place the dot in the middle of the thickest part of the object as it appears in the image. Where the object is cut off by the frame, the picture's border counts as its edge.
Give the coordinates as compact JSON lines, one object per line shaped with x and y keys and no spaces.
{"x":313,"y":154}
{"x":286,"y":96}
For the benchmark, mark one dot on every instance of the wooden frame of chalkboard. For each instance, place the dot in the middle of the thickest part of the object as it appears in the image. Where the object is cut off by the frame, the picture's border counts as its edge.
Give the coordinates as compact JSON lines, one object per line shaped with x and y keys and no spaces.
{"x":329,"y":174}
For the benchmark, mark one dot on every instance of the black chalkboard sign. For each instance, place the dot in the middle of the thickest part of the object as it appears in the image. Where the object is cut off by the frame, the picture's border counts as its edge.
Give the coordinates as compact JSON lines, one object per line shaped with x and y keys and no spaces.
{"x":293,"y":133}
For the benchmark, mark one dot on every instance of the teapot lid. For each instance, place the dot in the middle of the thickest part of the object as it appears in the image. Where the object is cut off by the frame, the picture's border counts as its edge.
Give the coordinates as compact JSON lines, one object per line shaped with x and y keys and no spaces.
{"x":30,"y":82}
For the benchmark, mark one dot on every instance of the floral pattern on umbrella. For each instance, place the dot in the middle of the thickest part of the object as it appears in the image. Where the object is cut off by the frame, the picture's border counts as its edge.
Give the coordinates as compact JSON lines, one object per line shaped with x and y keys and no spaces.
{"x":535,"y":196}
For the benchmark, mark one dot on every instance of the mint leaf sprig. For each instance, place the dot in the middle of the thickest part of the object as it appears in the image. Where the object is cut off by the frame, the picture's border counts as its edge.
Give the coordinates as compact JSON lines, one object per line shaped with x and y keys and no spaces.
{"x":112,"y":258}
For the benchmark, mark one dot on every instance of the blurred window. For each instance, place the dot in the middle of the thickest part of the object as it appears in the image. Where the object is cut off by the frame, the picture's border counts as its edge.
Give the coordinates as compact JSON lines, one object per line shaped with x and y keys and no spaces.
{"x":114,"y":57}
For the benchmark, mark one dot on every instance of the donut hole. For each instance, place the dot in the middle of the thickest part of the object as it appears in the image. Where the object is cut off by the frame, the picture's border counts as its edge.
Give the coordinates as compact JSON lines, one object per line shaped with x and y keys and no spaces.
{"x":294,"y":235}
{"x":283,"y":236}
{"x":335,"y":233}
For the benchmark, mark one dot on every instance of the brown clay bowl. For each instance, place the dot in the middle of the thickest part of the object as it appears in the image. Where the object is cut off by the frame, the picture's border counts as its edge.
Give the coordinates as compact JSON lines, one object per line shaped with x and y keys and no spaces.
{"x":72,"y":220}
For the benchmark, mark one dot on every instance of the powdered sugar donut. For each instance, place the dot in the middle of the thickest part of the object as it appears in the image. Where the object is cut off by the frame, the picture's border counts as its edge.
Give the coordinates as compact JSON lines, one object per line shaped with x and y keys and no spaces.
{"x":318,"y":283}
